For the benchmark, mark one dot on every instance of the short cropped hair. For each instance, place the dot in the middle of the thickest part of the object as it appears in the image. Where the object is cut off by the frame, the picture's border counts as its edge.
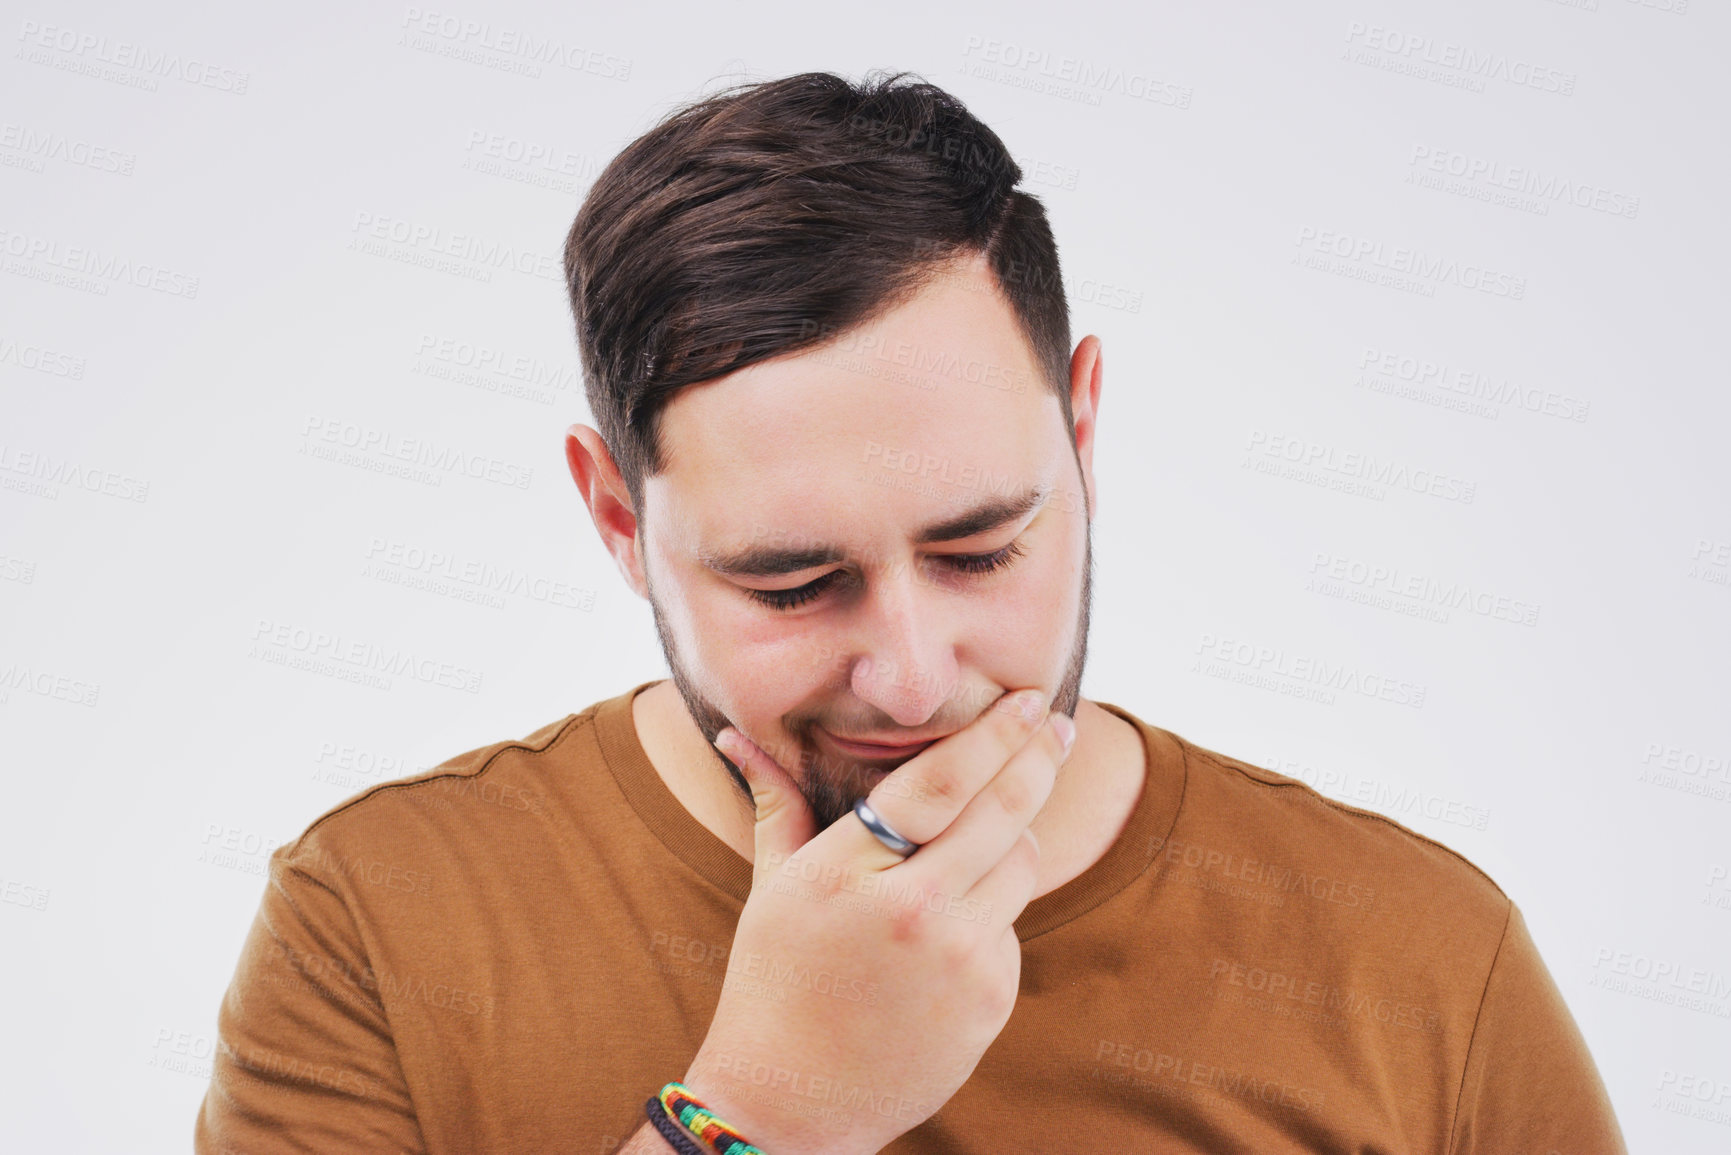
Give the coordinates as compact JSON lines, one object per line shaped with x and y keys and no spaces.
{"x":777,"y":215}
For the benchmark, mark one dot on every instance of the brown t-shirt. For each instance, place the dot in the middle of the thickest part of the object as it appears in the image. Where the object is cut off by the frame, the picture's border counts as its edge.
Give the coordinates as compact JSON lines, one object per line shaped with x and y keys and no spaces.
{"x":511,"y":952}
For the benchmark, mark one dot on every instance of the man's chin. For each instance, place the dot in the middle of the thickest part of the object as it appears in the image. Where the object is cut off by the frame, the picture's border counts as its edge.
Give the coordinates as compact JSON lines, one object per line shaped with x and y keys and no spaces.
{"x":831,"y":797}
{"x":830,"y":782}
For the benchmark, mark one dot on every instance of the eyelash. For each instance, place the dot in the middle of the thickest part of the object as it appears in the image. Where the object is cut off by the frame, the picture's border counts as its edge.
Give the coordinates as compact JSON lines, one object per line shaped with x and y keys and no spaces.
{"x":973,"y":564}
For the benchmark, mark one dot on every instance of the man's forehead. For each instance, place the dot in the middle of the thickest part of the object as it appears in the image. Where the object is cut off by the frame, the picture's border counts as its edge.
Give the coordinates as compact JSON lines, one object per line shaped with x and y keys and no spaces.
{"x":952,"y":357}
{"x":927,"y":418}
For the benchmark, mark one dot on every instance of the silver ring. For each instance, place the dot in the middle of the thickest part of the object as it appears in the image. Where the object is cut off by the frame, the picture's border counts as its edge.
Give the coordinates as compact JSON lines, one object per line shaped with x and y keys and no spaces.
{"x":875,"y":823}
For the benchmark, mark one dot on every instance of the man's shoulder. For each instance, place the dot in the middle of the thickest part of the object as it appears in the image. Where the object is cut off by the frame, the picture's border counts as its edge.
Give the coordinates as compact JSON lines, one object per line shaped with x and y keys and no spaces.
{"x":489,"y":789}
{"x":1285,"y":832}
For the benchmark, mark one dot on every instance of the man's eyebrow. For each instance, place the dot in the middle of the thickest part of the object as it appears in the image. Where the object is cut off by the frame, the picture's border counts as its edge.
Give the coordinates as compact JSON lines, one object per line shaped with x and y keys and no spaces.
{"x":774,"y":561}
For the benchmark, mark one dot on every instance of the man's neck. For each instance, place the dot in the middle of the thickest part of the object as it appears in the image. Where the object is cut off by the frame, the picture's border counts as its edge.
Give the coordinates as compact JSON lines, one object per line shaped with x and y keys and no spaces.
{"x":1095,"y":793}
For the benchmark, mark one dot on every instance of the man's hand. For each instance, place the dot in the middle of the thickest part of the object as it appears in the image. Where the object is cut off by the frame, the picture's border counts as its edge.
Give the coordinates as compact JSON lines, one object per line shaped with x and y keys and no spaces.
{"x":887,"y":978}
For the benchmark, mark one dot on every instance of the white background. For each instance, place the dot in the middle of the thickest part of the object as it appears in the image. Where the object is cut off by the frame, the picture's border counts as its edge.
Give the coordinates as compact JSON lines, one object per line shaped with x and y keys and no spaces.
{"x":193,"y":282}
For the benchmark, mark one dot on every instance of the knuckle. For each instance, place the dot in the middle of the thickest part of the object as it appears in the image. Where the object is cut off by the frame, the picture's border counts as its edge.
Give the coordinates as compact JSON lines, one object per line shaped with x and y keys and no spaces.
{"x":1014,"y":794}
{"x":938,"y":790}
{"x":1016,"y":722}
{"x":895,"y":786}
{"x":1044,"y":773}
{"x":957,"y":953}
{"x":998,"y":995}
{"x":908,"y":923}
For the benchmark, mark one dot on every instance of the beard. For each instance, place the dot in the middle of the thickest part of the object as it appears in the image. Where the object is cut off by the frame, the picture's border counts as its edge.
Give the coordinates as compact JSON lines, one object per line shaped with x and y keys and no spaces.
{"x":829,"y":786}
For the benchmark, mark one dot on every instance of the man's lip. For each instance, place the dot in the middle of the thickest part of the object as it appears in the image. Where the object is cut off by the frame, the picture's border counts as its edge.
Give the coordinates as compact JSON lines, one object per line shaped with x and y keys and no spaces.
{"x":873,"y":749}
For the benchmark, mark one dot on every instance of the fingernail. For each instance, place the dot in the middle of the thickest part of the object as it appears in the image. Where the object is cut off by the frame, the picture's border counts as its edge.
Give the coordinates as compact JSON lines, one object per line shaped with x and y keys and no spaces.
{"x":1026,"y":703}
{"x":1066,"y":730}
{"x":721,"y":741}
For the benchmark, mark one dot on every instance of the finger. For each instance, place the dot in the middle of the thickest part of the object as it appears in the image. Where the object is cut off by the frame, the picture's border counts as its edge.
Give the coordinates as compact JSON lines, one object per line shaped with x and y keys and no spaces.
{"x":784,"y":819}
{"x":923,"y":795}
{"x":852,"y":841}
{"x":991,"y":824}
{"x":1000,"y":897}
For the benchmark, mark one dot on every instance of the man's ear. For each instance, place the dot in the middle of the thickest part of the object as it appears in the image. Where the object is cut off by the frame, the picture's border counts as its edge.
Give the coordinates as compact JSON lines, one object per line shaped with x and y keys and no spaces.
{"x":1087,"y":375}
{"x":609,"y":502}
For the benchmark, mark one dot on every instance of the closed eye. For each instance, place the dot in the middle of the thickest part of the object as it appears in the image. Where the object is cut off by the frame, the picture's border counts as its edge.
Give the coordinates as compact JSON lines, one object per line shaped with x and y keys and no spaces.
{"x":974,"y":564}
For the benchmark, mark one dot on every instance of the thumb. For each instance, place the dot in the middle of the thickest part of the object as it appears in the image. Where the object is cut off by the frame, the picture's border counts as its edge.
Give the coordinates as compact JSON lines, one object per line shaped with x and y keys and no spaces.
{"x":784,"y":820}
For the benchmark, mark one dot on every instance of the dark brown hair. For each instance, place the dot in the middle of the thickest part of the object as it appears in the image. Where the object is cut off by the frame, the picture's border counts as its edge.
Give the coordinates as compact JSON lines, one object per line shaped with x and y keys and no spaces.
{"x":777,"y":215}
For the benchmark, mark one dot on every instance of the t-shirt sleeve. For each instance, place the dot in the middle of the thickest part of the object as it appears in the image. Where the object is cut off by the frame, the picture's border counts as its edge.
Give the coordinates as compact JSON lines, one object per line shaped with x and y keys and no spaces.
{"x":1530,"y":1086}
{"x":304,"y":1058}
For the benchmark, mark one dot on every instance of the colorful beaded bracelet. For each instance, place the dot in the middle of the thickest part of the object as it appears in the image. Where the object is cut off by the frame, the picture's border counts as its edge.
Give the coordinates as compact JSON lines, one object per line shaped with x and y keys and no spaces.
{"x":676,"y":1138}
{"x":698,"y":1119}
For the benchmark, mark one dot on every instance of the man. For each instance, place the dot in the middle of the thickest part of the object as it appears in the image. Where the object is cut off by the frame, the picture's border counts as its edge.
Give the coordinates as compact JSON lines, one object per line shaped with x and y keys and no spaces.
{"x":845,"y":450}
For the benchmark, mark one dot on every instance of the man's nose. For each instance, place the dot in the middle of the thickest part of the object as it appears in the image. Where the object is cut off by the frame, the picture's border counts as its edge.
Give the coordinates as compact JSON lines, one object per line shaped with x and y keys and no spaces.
{"x":904,"y":650}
